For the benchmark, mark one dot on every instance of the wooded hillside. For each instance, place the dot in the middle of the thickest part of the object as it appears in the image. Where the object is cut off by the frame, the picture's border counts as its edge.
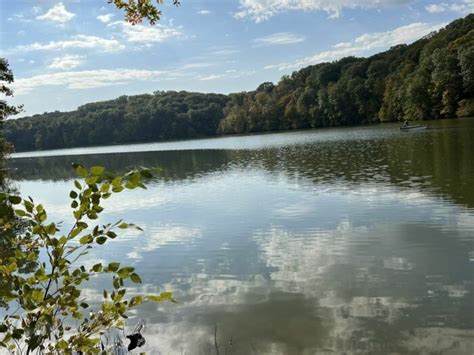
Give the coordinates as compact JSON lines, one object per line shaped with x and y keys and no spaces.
{"x":430,"y":79}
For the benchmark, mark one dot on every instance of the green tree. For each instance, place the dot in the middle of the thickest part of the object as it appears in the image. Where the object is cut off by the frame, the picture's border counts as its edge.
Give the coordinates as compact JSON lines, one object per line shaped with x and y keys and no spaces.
{"x":6,"y":110}
{"x":44,"y":307}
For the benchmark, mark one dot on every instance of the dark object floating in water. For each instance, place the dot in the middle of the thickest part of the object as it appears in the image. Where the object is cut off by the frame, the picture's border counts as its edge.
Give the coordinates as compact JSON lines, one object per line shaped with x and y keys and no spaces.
{"x":136,"y":340}
{"x":412,"y":128}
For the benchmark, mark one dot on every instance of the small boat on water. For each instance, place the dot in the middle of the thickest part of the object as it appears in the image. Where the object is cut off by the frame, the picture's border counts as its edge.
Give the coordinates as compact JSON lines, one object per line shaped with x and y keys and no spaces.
{"x":410,"y":128}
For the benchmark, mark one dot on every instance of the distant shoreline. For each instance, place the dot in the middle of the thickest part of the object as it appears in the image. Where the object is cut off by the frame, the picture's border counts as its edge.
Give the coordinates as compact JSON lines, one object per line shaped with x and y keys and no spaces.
{"x":109,"y":149}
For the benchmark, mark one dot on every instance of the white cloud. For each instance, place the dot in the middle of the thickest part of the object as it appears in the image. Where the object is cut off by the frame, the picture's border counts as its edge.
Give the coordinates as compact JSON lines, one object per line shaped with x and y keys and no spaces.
{"x":225,"y":51}
{"x":105,"y":18}
{"x":211,"y":77}
{"x":143,"y":34}
{"x":204,"y":12}
{"x":20,"y":17}
{"x":66,"y":62}
{"x":197,"y":65}
{"x":462,"y":7}
{"x":435,"y":8}
{"x":57,"y":13}
{"x":366,"y":44}
{"x":280,"y":38}
{"x":229,"y":74}
{"x":161,"y":236}
{"x":88,"y":79}
{"x":148,"y":34}
{"x":261,"y":10}
{"x":36,"y":10}
{"x":77,"y":42}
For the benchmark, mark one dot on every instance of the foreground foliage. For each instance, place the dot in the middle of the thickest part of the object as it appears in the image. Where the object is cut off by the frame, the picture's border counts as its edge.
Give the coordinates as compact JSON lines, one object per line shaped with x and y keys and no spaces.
{"x":431,"y":78}
{"x":41,"y":276}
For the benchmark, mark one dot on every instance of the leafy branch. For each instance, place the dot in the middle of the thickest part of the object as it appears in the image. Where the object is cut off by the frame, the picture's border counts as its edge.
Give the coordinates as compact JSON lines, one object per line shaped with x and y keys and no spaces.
{"x":137,"y":10}
{"x":46,"y":298}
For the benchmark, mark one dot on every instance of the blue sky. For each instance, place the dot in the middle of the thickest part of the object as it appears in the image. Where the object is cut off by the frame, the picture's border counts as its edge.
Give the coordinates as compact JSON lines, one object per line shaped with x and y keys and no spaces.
{"x":70,"y":52}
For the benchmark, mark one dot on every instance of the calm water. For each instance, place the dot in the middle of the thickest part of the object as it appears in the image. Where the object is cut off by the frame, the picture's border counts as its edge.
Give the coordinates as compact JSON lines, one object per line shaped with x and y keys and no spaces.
{"x":355,"y":240}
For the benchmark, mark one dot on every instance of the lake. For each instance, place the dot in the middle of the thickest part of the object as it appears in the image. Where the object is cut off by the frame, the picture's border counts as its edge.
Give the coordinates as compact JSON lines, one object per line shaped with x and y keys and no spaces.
{"x":313,"y":242}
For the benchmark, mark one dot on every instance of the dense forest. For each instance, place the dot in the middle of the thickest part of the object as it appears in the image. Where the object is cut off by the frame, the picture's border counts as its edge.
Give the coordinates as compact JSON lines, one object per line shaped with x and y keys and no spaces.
{"x":430,"y":79}
{"x":160,"y":116}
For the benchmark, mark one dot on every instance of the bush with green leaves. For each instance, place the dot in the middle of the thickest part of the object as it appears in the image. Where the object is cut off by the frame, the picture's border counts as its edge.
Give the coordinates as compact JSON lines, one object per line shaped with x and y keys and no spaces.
{"x":41,"y":276}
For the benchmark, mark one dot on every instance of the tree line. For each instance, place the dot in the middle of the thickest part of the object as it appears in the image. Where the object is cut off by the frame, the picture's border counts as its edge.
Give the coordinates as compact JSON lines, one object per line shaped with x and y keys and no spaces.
{"x":149,"y":117}
{"x":432,"y":78}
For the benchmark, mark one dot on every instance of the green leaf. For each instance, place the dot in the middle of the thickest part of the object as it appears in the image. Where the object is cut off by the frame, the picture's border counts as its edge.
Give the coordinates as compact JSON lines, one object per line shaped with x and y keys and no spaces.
{"x":28,"y":206}
{"x":131,"y":185}
{"x":91,"y":215}
{"x":105,"y":187}
{"x":97,"y":170}
{"x":125,"y":272}
{"x":101,"y":240}
{"x":37,"y":295}
{"x":123,"y":225}
{"x":113,"y":267}
{"x":117,"y":189}
{"x":135,"y":278}
{"x":146,"y":173}
{"x":15,"y":200}
{"x":42,"y":216}
{"x":62,"y":344}
{"x":86,"y":239}
{"x":31,"y":256}
{"x":164,"y":296}
{"x":120,"y":295}
{"x":78,"y":185}
{"x":135,"y":301}
{"x":80,"y":170}
{"x":117,"y":182}
{"x":75,"y":232}
{"x":73,"y":194}
{"x":91,"y":180}
{"x":21,"y":213}
{"x":50,"y":229}
{"x":17,"y":333}
{"x":111,"y":234}
{"x":97,"y":268}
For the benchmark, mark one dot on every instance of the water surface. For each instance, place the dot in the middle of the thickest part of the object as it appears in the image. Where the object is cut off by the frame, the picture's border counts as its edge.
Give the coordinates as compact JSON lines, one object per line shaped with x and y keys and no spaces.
{"x":357,"y":240}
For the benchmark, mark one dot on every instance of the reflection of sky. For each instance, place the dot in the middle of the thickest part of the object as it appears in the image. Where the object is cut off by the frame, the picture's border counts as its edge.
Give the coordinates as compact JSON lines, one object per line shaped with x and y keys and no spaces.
{"x":292,"y":260}
{"x":238,"y":245}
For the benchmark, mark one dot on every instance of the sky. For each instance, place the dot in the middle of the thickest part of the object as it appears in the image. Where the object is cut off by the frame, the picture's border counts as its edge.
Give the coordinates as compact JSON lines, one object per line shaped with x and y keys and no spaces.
{"x":71,"y":52}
